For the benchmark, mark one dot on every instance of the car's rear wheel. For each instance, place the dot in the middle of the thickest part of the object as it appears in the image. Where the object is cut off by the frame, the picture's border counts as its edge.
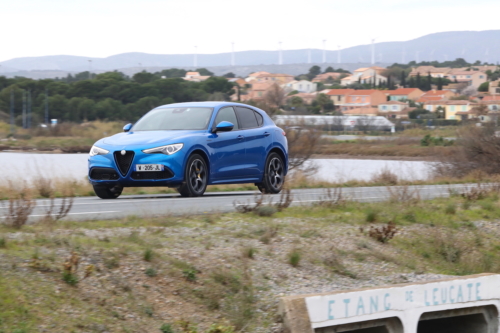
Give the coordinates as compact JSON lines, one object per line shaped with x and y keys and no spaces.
{"x":107,"y":192}
{"x":195,"y":177}
{"x":274,"y":175}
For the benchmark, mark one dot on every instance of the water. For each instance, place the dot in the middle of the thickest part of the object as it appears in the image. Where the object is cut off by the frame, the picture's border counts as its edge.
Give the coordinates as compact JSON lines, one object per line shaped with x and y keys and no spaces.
{"x":26,"y":166}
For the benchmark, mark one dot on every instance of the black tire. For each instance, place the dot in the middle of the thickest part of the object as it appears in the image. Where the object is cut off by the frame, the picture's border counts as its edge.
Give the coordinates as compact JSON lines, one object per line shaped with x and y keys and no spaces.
{"x":274,"y":175}
{"x":195,"y":177}
{"x":106,"y":192}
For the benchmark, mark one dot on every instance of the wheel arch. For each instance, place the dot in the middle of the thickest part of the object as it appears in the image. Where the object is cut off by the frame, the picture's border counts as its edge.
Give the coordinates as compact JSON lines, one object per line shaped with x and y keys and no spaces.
{"x":204,"y":155}
{"x":280,"y":152}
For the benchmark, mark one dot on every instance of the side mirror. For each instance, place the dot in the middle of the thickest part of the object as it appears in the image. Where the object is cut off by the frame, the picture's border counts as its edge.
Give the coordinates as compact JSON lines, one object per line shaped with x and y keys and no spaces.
{"x":224,"y":126}
{"x":127,"y":127}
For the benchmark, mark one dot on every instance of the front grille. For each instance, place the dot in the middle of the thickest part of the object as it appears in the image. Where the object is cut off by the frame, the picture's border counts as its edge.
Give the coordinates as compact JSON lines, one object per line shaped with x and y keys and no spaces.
{"x":103,"y":174}
{"x":124,"y":161}
{"x":165,"y":174}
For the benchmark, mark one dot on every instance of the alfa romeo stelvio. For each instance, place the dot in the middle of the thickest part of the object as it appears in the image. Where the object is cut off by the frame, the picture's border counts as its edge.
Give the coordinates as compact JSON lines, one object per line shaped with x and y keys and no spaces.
{"x":188,"y":146}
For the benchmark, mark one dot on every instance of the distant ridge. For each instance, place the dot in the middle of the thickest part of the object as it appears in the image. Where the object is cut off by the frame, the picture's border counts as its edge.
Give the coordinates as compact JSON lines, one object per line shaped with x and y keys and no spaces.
{"x":470,"y":45}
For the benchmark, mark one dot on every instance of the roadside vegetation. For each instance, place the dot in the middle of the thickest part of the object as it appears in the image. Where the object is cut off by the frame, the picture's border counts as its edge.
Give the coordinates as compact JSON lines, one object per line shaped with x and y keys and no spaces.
{"x":225,"y":272}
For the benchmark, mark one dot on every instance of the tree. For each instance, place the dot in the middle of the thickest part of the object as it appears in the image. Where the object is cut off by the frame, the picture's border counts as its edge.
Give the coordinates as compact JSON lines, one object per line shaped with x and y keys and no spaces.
{"x":275,"y":96}
{"x":322,"y":100}
{"x":481,"y":109}
{"x":143,"y":77}
{"x":204,"y":72}
{"x":329,"y":69}
{"x":403,"y":79}
{"x":418,"y":83}
{"x":440,"y":83}
{"x":428,"y":85}
{"x":484,"y":87}
{"x":218,"y":84}
{"x":441,"y":112}
{"x":229,"y":75}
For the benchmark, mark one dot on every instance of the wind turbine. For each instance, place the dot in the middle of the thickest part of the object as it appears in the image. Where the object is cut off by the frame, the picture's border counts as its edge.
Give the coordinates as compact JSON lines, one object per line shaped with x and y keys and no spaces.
{"x":280,"y":55}
{"x":195,"y":60}
{"x":373,"y":51}
{"x":232,"y":54}
{"x":324,"y":50}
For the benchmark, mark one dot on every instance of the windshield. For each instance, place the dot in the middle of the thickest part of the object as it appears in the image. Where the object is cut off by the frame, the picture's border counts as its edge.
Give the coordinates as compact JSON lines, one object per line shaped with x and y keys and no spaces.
{"x":166,"y":119}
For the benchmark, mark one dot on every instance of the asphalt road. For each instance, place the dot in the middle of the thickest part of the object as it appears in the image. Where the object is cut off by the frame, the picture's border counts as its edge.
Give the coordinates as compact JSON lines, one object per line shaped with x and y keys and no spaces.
{"x":91,"y":208}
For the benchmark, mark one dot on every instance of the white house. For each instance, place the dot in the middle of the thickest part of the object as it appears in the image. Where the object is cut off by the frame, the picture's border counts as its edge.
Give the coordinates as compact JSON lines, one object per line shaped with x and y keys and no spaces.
{"x":302,"y":86}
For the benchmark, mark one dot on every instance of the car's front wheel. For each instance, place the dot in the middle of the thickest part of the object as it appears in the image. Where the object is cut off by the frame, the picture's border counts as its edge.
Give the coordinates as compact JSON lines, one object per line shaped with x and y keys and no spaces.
{"x":107,"y":192}
{"x":195,"y":177}
{"x":274,"y":175}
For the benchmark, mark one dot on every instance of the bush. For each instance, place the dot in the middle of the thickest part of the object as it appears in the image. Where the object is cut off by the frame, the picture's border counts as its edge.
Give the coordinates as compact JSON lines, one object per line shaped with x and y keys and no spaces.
{"x":247,"y":252}
{"x":148,"y":255}
{"x":166,"y":328}
{"x":385,"y":177}
{"x":294,"y":258}
{"x":70,"y":278}
{"x":189,"y":274}
{"x":151,"y":272}
{"x":384,"y":233}
{"x":371,"y":216}
{"x":429,"y":140}
{"x":3,"y":243}
{"x":450,"y":209}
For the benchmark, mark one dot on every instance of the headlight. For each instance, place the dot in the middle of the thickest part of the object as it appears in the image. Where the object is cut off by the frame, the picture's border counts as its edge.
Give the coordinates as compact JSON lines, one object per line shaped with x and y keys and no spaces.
{"x":167,"y":150}
{"x":97,"y":151}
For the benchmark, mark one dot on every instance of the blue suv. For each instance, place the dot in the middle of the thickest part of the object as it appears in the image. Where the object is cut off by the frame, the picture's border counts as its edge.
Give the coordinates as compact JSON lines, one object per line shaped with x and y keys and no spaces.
{"x":188,"y":146}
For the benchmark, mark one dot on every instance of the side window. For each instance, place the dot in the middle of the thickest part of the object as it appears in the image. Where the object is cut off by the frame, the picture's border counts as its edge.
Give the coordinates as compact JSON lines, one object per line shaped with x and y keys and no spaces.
{"x":246,"y":117}
{"x":260,"y":119}
{"x":227,"y":114}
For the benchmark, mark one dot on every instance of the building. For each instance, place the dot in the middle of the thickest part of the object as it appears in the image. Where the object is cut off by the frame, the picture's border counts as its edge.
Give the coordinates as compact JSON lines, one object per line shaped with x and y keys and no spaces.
{"x":433,"y":71}
{"x":327,"y":77}
{"x":362,"y":99}
{"x":302,"y":86}
{"x":278,"y":78}
{"x":392,"y":106}
{"x":449,"y":108}
{"x":367,"y":112}
{"x":338,"y":96}
{"x":253,"y":76}
{"x":365,"y":75}
{"x":494,"y":87}
{"x":239,"y":81}
{"x":195,"y":77}
{"x":435,"y":95}
{"x":257,"y":91}
{"x":471,"y":78}
{"x":405,"y":94}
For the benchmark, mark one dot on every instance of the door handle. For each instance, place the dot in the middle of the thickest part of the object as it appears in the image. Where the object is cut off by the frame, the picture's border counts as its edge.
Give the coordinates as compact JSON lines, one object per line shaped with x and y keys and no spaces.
{"x":267,"y":133}
{"x":240,"y":137}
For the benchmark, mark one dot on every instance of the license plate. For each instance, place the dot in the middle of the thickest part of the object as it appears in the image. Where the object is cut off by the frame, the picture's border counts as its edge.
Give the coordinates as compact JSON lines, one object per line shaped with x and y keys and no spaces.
{"x":149,"y":167}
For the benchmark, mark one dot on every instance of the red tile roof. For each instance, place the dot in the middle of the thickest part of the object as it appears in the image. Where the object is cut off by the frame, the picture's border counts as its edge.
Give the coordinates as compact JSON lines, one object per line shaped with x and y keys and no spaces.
{"x":491,"y":98}
{"x":402,"y":91}
{"x":340,"y":91}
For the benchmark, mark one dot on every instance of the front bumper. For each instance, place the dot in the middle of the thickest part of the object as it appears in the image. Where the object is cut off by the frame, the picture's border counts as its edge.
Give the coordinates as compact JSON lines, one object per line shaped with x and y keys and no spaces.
{"x":103,"y":170}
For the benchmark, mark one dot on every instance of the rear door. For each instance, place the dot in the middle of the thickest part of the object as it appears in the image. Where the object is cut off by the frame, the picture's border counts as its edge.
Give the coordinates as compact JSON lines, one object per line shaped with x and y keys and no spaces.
{"x":228,"y":156}
{"x":257,"y":139}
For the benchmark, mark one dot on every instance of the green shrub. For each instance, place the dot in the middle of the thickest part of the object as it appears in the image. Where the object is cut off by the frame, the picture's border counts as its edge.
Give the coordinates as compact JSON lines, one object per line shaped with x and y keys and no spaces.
{"x":249,"y":252}
{"x":151,"y":272}
{"x":294,"y":258}
{"x":148,"y":255}
{"x":450,"y":209}
{"x":189,"y":274}
{"x":371,"y":216}
{"x":70,"y":278}
{"x":3,"y":243}
{"x":166,"y":328}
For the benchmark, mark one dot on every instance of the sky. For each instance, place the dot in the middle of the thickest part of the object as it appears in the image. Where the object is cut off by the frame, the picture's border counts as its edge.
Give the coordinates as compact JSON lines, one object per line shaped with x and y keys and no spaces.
{"x":101,"y":28}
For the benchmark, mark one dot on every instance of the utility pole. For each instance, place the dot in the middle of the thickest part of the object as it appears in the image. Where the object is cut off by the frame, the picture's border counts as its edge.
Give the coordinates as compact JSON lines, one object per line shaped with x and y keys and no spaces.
{"x":12,"y":111}
{"x":24,"y":109}
{"x":47,"y":107}
{"x":324,"y":51}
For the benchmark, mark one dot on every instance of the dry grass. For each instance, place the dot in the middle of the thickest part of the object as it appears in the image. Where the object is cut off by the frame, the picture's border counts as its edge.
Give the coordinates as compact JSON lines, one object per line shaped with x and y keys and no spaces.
{"x":19,"y":206}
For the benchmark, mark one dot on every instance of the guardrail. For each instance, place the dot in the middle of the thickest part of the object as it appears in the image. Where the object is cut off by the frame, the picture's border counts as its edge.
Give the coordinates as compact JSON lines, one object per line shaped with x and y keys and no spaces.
{"x":468,"y":304}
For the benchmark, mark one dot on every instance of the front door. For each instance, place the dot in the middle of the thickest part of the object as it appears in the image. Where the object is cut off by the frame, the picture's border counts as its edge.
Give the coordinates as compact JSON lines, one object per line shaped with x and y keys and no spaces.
{"x":228,"y":149}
